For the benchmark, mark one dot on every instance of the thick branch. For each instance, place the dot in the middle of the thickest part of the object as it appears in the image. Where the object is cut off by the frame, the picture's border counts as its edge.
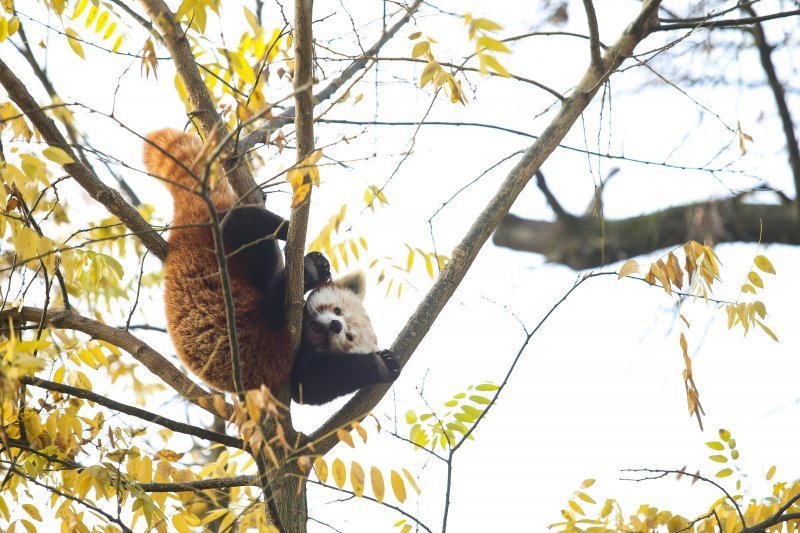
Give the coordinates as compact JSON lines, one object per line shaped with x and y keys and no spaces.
{"x":154,"y":361}
{"x":203,"y":108}
{"x":765,"y":54}
{"x":202,"y":484}
{"x":580,"y":242}
{"x":304,"y":128}
{"x":180,"y":427}
{"x":746,"y":21}
{"x":98,"y":190}
{"x":261,"y":135}
{"x":465,"y":253}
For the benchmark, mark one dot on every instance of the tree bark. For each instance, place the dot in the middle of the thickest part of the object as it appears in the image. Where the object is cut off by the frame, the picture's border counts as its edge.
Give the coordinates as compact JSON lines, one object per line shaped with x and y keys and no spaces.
{"x":588,"y":242}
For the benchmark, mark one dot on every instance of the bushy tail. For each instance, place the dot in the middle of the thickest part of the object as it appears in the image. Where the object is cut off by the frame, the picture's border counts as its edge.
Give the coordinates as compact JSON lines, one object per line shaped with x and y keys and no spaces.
{"x":172,"y":156}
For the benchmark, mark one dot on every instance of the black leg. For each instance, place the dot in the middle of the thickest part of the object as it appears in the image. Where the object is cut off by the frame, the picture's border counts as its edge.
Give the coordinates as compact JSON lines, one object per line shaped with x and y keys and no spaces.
{"x":251,"y":225}
{"x":320,"y":376}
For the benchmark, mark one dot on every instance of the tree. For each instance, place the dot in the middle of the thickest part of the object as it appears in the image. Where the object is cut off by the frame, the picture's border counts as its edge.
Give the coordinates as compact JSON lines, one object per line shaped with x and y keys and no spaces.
{"x":85,"y":272}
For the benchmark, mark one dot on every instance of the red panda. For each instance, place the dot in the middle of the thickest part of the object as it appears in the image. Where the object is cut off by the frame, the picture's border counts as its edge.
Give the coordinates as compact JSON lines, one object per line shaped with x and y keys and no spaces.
{"x":338,"y":350}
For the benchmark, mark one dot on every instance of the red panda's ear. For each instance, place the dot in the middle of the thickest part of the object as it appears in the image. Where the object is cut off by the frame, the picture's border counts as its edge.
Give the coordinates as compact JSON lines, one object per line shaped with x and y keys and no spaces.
{"x":355,"y":282}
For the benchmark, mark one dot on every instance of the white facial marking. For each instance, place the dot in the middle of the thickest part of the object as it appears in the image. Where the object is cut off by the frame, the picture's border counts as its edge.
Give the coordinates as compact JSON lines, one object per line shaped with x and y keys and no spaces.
{"x":333,"y":303}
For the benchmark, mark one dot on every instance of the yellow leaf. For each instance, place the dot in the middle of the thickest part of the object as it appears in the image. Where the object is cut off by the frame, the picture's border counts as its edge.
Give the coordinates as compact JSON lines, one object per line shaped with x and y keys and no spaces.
{"x":415,"y":35}
{"x":300,"y":194}
{"x":13,"y":25}
{"x":339,"y":472}
{"x":345,"y":437}
{"x":771,"y":472}
{"x":411,"y":417}
{"x":629,"y":267}
{"x":767,"y":330}
{"x":398,"y":487}
{"x":3,"y":29}
{"x":411,"y":481}
{"x":585,"y":497}
{"x":725,"y":472}
{"x":421,"y":48}
{"x":357,"y":478}
{"x":79,"y":7}
{"x":321,"y":468}
{"x":428,"y":72}
{"x":110,"y":30}
{"x":587,"y":483}
{"x":376,"y":480}
{"x":54,"y":153}
{"x":486,"y":42}
{"x":361,"y":431}
{"x":488,"y":62}
{"x":32,"y":511}
{"x":755,"y":279}
{"x":764,"y":264}
{"x":485,"y":25}
{"x":74,"y":43}
{"x":575,"y":507}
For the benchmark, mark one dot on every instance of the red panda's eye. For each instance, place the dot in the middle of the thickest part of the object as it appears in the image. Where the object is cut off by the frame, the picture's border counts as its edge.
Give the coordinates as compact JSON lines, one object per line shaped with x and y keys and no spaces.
{"x":337,"y":311}
{"x":349,"y":337}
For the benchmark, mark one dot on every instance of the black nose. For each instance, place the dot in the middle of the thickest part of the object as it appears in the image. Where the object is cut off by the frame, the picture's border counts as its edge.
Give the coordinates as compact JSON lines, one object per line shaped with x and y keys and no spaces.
{"x":336,"y":326}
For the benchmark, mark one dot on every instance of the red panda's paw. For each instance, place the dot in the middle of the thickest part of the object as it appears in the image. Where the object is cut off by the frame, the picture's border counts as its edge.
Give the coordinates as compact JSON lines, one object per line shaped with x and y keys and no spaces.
{"x":317,"y":270}
{"x":390,"y":366}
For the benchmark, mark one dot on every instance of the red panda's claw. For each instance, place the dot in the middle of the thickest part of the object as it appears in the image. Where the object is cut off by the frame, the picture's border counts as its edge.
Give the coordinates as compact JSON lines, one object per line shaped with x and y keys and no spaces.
{"x":391,"y":364}
{"x":317,"y":270}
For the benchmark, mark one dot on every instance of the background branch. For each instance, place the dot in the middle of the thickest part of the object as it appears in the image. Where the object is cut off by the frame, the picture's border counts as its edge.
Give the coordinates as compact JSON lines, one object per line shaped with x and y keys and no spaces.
{"x":578,"y":244}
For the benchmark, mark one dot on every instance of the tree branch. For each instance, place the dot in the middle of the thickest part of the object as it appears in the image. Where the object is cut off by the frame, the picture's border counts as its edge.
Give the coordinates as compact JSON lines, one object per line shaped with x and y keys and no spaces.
{"x":262,"y":134}
{"x":465,"y":253}
{"x":577,"y":242}
{"x":180,"y":427}
{"x":765,"y":54}
{"x":203,"y":107}
{"x":594,"y":34}
{"x":202,"y":484}
{"x":98,"y":190}
{"x":687,"y":25}
{"x":154,"y":361}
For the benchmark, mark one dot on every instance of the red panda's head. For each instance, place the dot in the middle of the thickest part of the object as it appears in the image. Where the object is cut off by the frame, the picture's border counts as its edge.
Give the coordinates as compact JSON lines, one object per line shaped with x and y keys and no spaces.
{"x":335,"y":318}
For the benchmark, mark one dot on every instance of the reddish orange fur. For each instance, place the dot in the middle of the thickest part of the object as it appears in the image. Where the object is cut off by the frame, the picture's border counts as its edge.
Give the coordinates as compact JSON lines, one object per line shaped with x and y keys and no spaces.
{"x":192,"y":288}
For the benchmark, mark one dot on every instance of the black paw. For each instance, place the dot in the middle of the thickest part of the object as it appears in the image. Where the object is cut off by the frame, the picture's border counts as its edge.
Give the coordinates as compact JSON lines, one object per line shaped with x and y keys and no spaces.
{"x":317,"y":270}
{"x":391,"y":366}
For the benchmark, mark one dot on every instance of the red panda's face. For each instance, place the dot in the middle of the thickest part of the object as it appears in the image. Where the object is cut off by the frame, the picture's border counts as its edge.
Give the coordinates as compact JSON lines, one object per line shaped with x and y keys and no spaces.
{"x":335,"y":319}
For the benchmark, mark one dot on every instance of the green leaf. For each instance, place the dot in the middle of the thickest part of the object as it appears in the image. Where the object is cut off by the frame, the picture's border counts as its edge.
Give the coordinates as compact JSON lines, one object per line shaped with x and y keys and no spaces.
{"x":715,"y":445}
{"x":486,"y":387}
{"x":725,"y":435}
{"x":718,"y":458}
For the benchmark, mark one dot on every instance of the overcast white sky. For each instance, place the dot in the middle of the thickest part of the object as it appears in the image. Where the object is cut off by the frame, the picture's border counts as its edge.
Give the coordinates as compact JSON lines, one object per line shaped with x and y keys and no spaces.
{"x":599,"y":388}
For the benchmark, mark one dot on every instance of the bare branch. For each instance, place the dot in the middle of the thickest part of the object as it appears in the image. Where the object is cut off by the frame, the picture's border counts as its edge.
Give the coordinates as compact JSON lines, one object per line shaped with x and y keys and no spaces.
{"x":261,"y":135}
{"x":465,"y":253}
{"x":202,"y":484}
{"x":577,"y":244}
{"x":686,"y":25}
{"x":594,"y":35}
{"x":765,"y":54}
{"x":180,"y":427}
{"x":98,"y":190}
{"x":552,"y":201}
